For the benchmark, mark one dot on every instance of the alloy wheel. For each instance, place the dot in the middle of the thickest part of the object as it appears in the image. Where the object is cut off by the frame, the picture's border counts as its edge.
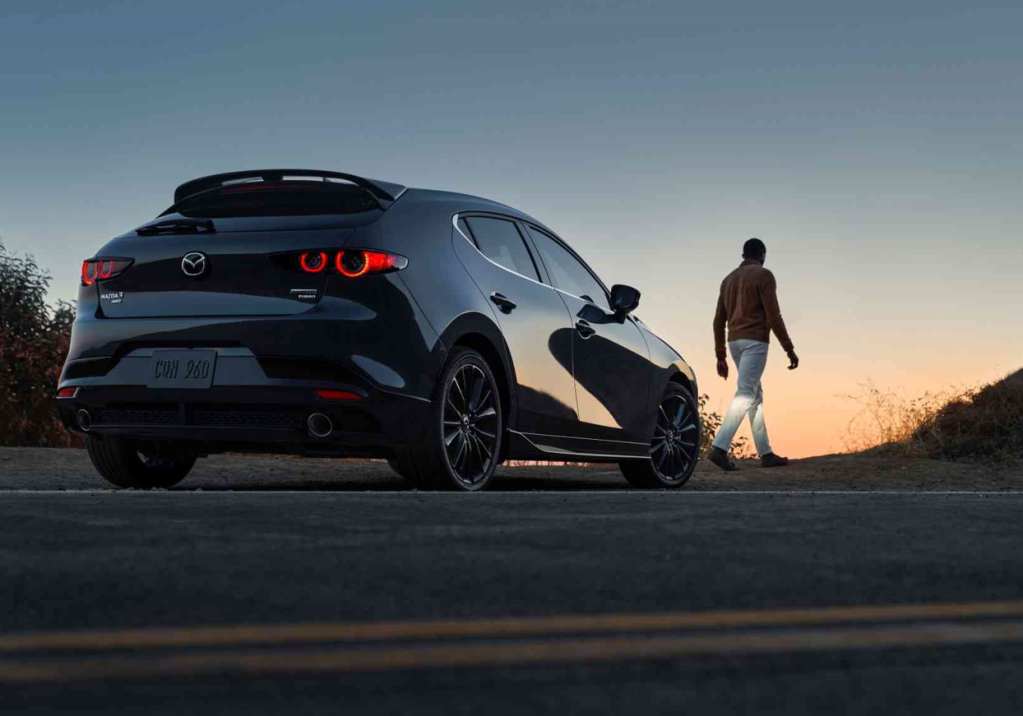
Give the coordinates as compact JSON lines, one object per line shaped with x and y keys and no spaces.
{"x":470,"y":424}
{"x":676,"y":439}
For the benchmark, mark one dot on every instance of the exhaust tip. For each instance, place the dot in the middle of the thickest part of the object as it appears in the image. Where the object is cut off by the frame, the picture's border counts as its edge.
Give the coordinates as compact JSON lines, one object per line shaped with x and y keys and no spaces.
{"x":84,"y":420}
{"x":320,"y":425}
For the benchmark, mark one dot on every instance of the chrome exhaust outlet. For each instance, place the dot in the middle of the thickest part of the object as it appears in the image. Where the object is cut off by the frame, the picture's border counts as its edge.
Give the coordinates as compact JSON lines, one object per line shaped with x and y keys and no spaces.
{"x":84,"y":420}
{"x":320,"y":425}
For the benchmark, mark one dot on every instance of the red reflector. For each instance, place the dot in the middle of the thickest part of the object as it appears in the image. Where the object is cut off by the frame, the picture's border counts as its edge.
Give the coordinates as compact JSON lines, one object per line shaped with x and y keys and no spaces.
{"x":338,"y":395}
{"x":66,"y":392}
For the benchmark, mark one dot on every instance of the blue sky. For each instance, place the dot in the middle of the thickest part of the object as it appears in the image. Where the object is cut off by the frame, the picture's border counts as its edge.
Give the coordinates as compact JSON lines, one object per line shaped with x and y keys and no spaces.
{"x":874,"y":146}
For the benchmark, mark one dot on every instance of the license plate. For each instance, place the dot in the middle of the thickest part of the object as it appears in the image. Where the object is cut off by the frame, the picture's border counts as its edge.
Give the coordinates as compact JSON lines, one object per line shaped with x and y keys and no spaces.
{"x":181,"y":369}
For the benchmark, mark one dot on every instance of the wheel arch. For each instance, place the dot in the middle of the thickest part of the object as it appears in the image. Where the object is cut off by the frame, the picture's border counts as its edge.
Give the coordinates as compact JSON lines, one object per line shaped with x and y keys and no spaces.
{"x":481,"y":334}
{"x":682,"y":379}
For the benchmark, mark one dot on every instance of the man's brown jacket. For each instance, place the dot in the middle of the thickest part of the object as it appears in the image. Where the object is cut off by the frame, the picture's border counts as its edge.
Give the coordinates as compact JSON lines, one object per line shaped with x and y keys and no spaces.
{"x":749,"y":305}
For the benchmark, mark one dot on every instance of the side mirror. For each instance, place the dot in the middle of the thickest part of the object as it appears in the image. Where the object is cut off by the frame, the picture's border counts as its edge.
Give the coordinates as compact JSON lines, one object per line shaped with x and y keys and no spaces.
{"x":624,"y":299}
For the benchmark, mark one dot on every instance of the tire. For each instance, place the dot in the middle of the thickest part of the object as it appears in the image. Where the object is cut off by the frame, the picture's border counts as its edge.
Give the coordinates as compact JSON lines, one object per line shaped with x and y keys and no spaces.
{"x":466,"y":412}
{"x":138,"y":465}
{"x":399,"y":463}
{"x":673,"y":454}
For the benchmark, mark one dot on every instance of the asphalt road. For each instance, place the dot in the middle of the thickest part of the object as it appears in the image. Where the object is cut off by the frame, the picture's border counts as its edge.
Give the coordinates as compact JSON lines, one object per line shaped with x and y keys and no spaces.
{"x":541,"y":601}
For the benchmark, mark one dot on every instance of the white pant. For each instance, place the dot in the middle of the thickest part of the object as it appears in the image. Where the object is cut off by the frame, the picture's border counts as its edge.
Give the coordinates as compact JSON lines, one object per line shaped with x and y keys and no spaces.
{"x":750,"y":360}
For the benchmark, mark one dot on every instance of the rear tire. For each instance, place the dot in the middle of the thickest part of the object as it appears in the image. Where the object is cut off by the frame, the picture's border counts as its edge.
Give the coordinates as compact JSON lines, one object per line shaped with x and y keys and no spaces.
{"x":399,"y":463}
{"x":133,"y":464}
{"x":465,"y":436}
{"x":674,"y":446}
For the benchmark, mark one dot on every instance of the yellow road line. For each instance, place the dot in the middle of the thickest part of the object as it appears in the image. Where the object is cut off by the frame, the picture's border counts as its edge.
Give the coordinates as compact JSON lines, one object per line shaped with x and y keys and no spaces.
{"x":513,"y":653}
{"x":507,"y":627}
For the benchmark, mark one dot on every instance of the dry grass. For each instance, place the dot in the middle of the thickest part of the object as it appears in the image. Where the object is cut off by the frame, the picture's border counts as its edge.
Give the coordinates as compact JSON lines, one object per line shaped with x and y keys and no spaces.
{"x":984,"y":423}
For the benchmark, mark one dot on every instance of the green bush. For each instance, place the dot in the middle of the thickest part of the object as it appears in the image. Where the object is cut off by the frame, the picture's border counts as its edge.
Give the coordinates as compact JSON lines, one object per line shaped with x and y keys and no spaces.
{"x":33,"y":345}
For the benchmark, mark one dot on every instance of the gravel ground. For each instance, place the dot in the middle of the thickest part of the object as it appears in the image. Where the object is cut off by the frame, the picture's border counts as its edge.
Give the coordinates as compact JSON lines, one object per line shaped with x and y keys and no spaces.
{"x":55,"y":469}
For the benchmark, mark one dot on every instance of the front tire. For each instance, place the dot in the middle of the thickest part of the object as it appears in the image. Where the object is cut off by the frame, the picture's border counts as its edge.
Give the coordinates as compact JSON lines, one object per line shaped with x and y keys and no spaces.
{"x":463,"y":442}
{"x":674,"y":446}
{"x":139,"y":465}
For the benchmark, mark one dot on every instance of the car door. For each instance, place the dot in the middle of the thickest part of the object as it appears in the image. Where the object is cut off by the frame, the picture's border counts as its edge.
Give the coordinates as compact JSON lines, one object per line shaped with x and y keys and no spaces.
{"x":533,"y":319}
{"x":611,"y":361}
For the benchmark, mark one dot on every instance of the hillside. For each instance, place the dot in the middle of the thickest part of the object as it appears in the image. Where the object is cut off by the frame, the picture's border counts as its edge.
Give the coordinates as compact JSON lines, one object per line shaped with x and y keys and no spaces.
{"x":984,"y":425}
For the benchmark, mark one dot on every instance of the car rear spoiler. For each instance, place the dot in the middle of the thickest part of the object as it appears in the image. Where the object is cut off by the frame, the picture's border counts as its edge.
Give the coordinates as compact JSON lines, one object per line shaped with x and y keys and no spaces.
{"x":384,"y":192}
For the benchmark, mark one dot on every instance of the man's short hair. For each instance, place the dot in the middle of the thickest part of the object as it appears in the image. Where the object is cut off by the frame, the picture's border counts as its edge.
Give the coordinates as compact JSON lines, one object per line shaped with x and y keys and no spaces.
{"x":753,"y":249}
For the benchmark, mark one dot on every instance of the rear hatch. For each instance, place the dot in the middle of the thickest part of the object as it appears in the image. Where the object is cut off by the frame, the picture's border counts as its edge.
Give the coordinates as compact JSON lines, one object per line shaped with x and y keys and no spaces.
{"x":236,"y":250}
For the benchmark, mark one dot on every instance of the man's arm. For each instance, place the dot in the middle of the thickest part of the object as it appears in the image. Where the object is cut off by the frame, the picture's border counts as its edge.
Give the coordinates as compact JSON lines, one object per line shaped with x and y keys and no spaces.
{"x":768,"y":289}
{"x":720,"y":318}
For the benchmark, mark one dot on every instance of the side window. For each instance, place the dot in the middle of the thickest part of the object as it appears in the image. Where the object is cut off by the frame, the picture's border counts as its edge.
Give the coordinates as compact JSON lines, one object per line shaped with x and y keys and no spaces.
{"x":500,"y":241}
{"x":568,"y":274}
{"x":464,"y":228}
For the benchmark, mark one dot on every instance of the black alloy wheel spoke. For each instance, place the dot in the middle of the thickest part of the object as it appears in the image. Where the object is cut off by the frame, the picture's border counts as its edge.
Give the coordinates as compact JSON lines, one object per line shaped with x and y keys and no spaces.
{"x":468,"y":458}
{"x":460,"y":451}
{"x":483,"y":400}
{"x":664,"y":415}
{"x":482,"y":448}
{"x":461,"y":393}
{"x":476,"y":392}
{"x":665,"y":451}
{"x":458,"y":413}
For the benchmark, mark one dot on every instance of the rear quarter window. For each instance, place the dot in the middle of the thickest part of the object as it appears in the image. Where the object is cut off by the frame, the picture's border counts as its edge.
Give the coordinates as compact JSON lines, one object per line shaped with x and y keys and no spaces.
{"x":500,"y":241}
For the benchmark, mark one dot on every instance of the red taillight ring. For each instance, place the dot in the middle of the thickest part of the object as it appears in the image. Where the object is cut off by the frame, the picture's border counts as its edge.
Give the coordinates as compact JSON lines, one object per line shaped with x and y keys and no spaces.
{"x":339,"y":265}
{"x":106,"y":269}
{"x":88,"y":273}
{"x":321,"y":261}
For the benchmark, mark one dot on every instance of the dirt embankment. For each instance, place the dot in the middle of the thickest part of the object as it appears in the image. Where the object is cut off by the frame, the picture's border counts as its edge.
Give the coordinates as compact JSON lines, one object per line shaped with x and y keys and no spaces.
{"x":58,"y":469}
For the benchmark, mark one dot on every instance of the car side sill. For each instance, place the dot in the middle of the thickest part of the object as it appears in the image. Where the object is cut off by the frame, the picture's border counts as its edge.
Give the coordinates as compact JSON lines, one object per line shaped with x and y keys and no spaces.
{"x":544,"y":445}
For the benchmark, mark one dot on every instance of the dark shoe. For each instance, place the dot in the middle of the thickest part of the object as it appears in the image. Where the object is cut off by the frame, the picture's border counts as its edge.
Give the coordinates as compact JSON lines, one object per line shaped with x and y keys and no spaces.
{"x":772,"y":460}
{"x":720,"y":458}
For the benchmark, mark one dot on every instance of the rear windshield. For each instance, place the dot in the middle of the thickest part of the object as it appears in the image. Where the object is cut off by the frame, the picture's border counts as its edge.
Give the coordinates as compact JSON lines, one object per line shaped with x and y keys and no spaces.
{"x":288,"y":198}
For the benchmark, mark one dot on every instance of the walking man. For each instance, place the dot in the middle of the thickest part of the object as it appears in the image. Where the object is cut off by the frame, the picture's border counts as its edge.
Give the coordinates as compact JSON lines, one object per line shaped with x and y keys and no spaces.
{"x":748,"y":304}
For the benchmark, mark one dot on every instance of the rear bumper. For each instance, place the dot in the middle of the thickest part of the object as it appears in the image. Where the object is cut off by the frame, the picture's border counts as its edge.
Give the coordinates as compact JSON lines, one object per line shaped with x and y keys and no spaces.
{"x":244,"y":410}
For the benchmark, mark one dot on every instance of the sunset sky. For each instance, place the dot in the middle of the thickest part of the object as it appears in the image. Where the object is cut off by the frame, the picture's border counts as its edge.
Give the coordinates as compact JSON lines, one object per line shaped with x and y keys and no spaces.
{"x":875,"y":147}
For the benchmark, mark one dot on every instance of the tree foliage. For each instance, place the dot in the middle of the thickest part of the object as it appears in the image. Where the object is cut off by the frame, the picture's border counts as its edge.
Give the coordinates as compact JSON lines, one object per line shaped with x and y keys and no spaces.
{"x":33,"y":345}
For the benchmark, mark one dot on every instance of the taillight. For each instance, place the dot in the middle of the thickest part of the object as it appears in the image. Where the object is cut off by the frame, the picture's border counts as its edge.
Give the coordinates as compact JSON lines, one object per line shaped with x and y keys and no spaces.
{"x":358,"y":262}
{"x":313,"y":261}
{"x":88,"y":273}
{"x":102,"y":269}
{"x":350,"y":263}
{"x":67,"y":392}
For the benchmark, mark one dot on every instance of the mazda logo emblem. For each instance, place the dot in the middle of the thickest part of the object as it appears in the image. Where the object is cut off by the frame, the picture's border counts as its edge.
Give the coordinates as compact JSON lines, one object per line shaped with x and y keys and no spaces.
{"x":194,"y":264}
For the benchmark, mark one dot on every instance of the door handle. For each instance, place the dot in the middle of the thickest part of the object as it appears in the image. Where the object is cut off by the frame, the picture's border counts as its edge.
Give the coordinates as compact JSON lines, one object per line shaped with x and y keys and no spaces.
{"x":584,"y":328}
{"x":505,"y":304}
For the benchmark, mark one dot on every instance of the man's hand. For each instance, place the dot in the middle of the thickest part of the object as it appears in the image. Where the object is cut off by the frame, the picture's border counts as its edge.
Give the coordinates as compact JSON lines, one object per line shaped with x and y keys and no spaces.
{"x":723,"y":368}
{"x":793,"y":360}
